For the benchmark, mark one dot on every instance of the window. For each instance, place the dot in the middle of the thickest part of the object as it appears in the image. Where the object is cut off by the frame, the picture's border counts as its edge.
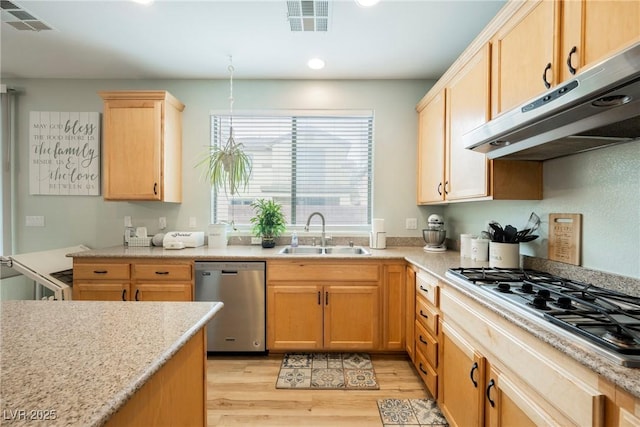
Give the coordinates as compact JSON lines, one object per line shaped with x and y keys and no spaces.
{"x":306,"y":161}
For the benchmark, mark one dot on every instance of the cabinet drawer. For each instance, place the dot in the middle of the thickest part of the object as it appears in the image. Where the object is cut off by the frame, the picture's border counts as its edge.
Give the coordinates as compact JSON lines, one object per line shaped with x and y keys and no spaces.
{"x":427,"y":373}
{"x":427,"y":286}
{"x":427,"y":344}
{"x":157,"y":272}
{"x":318,"y":271}
{"x":101,"y":271}
{"x":427,"y":316}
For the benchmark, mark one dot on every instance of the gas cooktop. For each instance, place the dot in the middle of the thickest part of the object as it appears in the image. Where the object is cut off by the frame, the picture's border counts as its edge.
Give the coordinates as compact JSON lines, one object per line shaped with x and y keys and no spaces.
{"x":608,"y":320}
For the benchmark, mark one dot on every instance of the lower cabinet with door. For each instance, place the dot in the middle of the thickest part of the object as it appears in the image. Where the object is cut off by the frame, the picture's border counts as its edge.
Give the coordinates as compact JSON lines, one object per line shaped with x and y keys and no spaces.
{"x":335,"y":305}
{"x":123,"y":279}
{"x":494,"y":374}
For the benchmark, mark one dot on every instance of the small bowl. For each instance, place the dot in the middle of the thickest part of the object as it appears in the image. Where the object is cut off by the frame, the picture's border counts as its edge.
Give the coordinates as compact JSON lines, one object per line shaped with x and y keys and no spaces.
{"x":434,"y":237}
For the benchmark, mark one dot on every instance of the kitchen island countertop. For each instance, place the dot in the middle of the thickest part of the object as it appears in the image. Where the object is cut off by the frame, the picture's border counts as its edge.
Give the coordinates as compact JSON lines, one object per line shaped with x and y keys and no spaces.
{"x":76,"y":363}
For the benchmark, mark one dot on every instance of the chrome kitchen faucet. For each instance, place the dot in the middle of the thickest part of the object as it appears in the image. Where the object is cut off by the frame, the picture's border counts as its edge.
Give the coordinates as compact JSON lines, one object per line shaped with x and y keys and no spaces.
{"x":323,"y":239}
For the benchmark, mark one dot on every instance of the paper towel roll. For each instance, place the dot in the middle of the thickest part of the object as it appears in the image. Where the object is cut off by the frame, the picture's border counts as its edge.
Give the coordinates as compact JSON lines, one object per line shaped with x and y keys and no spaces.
{"x":377,"y":225}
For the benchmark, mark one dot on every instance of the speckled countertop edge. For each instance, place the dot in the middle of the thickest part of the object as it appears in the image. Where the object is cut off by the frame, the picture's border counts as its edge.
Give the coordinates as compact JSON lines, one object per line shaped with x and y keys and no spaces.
{"x":80,"y":360}
{"x":438,"y":264}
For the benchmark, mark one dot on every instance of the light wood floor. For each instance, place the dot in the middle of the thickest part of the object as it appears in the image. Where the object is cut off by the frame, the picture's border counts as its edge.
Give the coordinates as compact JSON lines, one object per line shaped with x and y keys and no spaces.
{"x":241,"y":392}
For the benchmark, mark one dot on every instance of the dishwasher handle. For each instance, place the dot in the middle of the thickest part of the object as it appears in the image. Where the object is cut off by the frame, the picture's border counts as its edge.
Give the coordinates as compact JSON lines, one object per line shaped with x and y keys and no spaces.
{"x":229,"y":272}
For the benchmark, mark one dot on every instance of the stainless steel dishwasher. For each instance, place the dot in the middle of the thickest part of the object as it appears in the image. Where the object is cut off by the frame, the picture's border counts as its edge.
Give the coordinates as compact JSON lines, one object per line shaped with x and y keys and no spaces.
{"x":240,"y":325}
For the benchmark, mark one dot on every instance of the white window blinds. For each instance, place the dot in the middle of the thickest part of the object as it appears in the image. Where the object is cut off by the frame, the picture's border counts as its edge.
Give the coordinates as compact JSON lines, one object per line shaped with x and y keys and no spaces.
{"x":307,"y":162}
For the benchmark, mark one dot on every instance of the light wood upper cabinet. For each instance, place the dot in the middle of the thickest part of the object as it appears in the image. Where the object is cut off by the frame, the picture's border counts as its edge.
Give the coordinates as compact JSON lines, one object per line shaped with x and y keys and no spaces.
{"x":467,"y":108}
{"x":431,"y":146}
{"x":142,"y":146}
{"x":523,"y":55}
{"x":447,"y":171}
{"x":593,"y":30}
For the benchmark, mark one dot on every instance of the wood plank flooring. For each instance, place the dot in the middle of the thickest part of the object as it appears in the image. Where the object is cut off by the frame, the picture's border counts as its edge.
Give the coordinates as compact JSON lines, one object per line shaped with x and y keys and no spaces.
{"x":241,"y":392}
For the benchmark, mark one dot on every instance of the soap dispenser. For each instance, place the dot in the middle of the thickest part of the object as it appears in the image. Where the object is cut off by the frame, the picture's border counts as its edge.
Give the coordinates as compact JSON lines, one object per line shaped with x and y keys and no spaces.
{"x":294,"y":240}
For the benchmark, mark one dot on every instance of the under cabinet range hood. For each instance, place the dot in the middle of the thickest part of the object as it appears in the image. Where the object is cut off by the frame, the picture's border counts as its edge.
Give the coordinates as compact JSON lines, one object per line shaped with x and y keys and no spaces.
{"x":597,"y":108}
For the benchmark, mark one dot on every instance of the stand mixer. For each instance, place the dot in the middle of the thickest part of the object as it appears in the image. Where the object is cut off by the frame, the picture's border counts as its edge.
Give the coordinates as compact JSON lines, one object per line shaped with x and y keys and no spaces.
{"x":435,"y":234}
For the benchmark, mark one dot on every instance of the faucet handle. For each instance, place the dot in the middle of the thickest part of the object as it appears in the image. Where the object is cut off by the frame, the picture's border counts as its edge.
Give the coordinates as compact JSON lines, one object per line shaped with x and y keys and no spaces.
{"x":350,"y":243}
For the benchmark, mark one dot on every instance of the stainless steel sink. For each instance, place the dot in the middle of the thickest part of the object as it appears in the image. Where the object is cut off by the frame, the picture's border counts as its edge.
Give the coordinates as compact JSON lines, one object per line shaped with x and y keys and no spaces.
{"x":332,"y":250}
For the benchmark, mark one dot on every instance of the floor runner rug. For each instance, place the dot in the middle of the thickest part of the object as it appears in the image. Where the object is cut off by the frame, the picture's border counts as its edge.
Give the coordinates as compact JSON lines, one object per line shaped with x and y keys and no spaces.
{"x":410,"y":412}
{"x":328,"y":371}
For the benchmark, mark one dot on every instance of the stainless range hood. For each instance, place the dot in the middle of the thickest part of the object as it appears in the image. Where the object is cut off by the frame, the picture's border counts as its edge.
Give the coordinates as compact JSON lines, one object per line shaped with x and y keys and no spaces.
{"x":597,"y":108}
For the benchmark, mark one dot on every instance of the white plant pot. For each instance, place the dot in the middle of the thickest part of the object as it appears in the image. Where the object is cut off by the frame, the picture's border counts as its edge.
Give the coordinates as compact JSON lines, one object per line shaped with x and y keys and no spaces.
{"x":504,"y":255}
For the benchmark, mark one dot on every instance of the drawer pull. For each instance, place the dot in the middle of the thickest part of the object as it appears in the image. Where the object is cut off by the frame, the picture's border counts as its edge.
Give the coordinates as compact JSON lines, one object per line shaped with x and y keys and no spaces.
{"x":100,"y":271}
{"x":492,"y":384}
{"x":422,"y":340}
{"x":124,"y":295}
{"x":422,"y":369}
{"x":424,"y":289}
{"x":164,"y":273}
{"x":423,"y":315}
{"x":473,"y":368}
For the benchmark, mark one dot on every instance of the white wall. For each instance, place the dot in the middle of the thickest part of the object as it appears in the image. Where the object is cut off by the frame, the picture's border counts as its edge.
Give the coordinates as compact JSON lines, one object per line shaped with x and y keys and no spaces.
{"x":91,"y":221}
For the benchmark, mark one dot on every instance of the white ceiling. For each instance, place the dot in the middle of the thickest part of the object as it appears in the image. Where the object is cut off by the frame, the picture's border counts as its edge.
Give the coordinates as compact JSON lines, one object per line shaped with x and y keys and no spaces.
{"x":183,"y":39}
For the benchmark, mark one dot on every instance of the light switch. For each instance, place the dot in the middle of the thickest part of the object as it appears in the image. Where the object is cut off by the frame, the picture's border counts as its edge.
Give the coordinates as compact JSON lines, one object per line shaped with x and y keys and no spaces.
{"x":411,"y":223}
{"x":34,"y":221}
{"x":162,"y":222}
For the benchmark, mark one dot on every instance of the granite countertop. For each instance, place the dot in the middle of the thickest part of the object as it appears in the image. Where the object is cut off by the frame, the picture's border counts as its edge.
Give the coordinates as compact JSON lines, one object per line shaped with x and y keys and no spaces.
{"x":437,"y":263}
{"x":77,"y":362}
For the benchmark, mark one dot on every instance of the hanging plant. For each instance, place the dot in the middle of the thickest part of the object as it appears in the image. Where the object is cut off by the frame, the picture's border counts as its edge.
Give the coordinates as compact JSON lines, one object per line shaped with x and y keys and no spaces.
{"x":227,"y":167}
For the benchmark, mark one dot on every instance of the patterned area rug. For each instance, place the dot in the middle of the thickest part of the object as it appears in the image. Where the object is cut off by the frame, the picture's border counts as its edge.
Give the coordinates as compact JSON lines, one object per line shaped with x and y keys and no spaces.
{"x":410,"y":412}
{"x":342,"y":371}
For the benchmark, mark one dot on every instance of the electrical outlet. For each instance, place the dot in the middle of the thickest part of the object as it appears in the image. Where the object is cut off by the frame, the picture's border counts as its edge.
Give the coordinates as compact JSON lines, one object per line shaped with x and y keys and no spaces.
{"x":127,"y":221}
{"x":256,"y":240}
{"x":34,"y":221}
{"x":411,"y":223}
{"x":192,"y":222}
{"x":162,"y":222}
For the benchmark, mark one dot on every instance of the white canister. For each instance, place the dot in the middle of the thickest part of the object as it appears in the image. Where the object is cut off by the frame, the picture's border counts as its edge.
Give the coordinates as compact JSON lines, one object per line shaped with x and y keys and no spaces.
{"x":465,"y":245}
{"x":217,"y":235}
{"x":480,"y":249}
{"x":377,"y":240}
{"x":504,"y":255}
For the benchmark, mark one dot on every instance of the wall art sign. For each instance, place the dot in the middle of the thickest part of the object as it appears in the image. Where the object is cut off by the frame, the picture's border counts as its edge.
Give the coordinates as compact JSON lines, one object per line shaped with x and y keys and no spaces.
{"x":64,"y":153}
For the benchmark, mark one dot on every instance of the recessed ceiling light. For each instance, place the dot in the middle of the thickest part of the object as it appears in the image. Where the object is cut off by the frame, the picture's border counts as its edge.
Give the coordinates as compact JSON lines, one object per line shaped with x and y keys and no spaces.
{"x":145,"y":2}
{"x":316,"y":64}
{"x":367,"y":3}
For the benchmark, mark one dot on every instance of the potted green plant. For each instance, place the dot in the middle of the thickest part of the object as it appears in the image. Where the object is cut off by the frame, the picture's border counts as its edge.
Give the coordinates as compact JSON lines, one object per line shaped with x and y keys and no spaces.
{"x":269,"y":221}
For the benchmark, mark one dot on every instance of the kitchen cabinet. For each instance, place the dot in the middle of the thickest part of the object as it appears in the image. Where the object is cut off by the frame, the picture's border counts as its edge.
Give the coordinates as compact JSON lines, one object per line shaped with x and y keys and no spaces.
{"x":142,"y":146}
{"x":449,"y":172}
{"x":546,"y":42}
{"x":316,"y":305}
{"x":410,"y":311}
{"x":493,"y":374}
{"x":174,"y":395}
{"x":131,"y":280}
{"x":431,"y":145}
{"x":393,"y":306}
{"x":593,"y":30}
{"x":427,"y":331}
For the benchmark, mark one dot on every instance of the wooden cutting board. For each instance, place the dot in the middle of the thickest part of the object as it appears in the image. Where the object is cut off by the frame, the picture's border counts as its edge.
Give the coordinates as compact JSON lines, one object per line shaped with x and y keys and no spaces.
{"x":565,"y":237}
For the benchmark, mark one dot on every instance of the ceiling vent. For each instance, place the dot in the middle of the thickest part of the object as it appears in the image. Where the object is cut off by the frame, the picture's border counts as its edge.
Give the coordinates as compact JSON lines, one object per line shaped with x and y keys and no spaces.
{"x":19,"y":18}
{"x":308,"y":15}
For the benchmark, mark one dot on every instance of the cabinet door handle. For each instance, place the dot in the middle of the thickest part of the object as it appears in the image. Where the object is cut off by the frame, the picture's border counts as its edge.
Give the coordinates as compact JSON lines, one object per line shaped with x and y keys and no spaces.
{"x":424,"y":289}
{"x":124,"y":295}
{"x":318,"y":297}
{"x":100,"y":271}
{"x":473,"y":369}
{"x":492,"y":384}
{"x":137,"y":293}
{"x":422,"y":369}
{"x":155,"y":188}
{"x":439,"y":187}
{"x":326,"y":298}
{"x":446,"y":185}
{"x":164,"y":273}
{"x":422,"y":340}
{"x":423,"y":315}
{"x":571,"y":52}
{"x":544,"y":76}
